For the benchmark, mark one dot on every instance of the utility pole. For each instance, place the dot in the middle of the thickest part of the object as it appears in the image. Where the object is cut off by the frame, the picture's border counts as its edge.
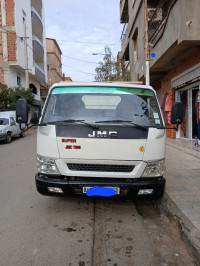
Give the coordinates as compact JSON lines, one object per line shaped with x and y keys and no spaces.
{"x":49,"y":63}
{"x":26,"y":56}
{"x":146,"y":44}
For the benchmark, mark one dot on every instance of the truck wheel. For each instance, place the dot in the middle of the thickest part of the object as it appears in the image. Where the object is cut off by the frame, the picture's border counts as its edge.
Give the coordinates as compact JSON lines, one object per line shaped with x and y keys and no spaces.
{"x":8,"y":138}
{"x":21,"y":134}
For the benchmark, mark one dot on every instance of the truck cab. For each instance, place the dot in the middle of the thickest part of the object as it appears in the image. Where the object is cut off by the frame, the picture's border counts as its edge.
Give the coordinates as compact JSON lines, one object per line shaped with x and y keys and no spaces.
{"x":101,"y":139}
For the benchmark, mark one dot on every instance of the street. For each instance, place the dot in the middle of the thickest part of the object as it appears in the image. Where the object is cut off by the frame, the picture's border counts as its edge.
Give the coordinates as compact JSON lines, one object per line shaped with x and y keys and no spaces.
{"x":39,"y":230}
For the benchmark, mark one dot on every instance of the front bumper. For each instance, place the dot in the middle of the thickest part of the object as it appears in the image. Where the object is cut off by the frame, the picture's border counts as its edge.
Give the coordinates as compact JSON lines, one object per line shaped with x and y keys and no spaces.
{"x":2,"y":136}
{"x":129,"y":188}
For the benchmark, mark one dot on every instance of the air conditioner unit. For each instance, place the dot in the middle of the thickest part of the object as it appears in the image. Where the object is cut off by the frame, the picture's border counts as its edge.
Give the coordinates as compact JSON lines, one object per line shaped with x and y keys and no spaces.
{"x":151,"y":11}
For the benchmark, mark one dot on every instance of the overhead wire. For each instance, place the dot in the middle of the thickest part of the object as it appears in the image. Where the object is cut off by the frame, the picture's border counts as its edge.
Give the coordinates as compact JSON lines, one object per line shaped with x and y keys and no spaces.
{"x":69,"y":67}
{"x":62,"y":54}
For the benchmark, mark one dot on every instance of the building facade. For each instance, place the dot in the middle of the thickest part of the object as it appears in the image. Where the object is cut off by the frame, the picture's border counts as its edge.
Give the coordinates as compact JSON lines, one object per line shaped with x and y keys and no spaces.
{"x":174,"y":49}
{"x":54,"y":66}
{"x":22,"y":45}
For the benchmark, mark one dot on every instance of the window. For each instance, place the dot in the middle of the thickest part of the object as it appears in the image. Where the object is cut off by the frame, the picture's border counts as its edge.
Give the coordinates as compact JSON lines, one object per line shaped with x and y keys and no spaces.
{"x":34,"y":89}
{"x":93,"y":104}
{"x":135,"y":43}
{"x":12,"y":121}
{"x":18,"y":80}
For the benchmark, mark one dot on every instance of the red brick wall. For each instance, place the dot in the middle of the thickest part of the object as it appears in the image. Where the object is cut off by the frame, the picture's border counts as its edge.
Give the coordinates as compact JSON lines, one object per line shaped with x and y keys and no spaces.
{"x":11,"y":39}
{"x":0,"y":16}
{"x":180,"y":68}
{"x":10,"y":13}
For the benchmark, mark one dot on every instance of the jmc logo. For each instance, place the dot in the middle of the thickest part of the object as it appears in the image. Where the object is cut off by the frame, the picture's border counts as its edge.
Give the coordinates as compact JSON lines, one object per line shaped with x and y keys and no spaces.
{"x":103,"y":134}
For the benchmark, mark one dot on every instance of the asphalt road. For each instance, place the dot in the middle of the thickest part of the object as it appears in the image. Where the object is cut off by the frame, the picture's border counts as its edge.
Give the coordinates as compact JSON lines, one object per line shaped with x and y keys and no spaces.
{"x":39,"y":230}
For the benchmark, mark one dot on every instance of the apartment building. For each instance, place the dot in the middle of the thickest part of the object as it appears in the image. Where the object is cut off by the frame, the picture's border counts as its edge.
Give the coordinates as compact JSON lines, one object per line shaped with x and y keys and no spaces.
{"x":54,"y":66}
{"x":22,"y":44}
{"x":174,"y":49}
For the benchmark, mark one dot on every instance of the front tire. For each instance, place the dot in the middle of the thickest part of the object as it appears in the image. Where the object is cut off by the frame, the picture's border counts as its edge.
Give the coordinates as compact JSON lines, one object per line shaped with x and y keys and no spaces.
{"x":21,"y":134}
{"x":8,"y":138}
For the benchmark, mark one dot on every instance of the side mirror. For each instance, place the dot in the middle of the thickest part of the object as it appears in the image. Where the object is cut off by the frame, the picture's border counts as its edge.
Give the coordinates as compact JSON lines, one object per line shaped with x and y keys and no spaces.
{"x":22,"y":111}
{"x":35,"y":117}
{"x":177,"y":113}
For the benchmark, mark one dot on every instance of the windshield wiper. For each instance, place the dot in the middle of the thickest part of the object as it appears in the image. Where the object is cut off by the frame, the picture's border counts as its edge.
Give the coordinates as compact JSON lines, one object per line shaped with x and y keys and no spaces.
{"x":123,"y":121}
{"x":73,"y":121}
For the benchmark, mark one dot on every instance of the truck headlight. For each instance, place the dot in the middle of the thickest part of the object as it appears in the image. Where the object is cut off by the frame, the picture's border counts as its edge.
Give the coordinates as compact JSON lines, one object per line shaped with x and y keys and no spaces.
{"x":154,"y":169}
{"x":46,"y":165}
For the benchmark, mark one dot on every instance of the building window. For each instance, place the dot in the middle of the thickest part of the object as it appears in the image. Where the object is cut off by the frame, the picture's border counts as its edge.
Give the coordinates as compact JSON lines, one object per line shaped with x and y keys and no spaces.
{"x":18,"y":80}
{"x":34,"y":89}
{"x":135,"y":43}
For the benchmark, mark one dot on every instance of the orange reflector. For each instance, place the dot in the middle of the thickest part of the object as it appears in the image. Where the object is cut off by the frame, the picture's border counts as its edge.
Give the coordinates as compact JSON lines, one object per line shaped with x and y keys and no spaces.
{"x":141,"y":149}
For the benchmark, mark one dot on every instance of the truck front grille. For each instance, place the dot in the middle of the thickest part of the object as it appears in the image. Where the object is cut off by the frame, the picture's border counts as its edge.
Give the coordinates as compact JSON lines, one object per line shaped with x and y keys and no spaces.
{"x":100,"y":167}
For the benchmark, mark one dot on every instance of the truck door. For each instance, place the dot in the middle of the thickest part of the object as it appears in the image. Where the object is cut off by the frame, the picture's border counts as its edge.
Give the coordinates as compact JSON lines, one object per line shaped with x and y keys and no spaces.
{"x":14,"y":127}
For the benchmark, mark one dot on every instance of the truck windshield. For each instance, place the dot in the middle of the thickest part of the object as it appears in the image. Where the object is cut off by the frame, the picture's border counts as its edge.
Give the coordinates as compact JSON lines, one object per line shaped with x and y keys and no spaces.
{"x":4,"y":121}
{"x":98,"y":104}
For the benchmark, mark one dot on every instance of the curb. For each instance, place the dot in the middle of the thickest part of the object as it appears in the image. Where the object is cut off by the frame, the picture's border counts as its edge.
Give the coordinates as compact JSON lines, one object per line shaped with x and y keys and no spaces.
{"x":189,"y":233}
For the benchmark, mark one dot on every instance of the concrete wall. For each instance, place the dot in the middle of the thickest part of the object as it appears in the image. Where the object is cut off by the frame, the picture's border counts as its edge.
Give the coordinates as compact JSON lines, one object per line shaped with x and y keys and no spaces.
{"x":136,"y":23}
{"x":182,"y":27}
{"x":21,"y":8}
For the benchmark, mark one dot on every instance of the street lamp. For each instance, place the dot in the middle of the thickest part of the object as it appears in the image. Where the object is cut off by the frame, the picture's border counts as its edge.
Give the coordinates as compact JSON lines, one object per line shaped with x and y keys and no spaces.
{"x":97,"y":54}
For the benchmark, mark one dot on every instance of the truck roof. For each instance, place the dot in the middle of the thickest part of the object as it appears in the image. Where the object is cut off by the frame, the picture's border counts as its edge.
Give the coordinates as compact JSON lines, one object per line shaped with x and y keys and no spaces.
{"x":7,"y":114}
{"x":125,"y":84}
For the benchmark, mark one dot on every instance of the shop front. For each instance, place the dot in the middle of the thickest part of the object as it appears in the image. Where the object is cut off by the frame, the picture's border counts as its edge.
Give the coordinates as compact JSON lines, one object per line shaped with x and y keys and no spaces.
{"x":187,"y":91}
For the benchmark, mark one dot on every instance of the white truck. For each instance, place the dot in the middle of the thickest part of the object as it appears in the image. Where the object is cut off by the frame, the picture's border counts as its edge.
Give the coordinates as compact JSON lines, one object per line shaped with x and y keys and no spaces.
{"x":8,"y":126}
{"x":101,"y":139}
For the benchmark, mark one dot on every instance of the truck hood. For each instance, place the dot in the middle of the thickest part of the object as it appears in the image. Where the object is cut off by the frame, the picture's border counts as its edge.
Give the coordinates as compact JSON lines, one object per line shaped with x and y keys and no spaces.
{"x":83,"y":143}
{"x":105,"y":143}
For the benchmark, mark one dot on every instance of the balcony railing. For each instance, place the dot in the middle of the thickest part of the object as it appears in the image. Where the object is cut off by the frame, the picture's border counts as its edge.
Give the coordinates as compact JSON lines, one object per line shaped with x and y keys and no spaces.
{"x":36,"y":22}
{"x":124,"y":31}
{"x":37,"y":4}
{"x":38,"y":49}
{"x":39,"y":72}
{"x":158,"y":20}
{"x":124,"y":11}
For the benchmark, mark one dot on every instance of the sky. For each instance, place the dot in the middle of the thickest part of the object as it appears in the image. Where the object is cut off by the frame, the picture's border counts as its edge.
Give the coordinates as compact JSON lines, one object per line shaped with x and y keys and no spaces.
{"x":83,"y":27}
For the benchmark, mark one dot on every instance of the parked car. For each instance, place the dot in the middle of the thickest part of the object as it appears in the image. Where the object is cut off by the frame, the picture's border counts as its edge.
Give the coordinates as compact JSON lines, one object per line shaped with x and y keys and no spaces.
{"x":8,"y":126}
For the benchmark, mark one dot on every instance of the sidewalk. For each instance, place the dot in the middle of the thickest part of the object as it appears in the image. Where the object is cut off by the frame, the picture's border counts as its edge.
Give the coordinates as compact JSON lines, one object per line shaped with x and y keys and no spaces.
{"x":182,"y":197}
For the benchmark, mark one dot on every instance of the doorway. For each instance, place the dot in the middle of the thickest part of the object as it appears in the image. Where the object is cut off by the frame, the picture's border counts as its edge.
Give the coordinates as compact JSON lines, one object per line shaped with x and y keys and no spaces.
{"x":195,"y":112}
{"x":189,"y":98}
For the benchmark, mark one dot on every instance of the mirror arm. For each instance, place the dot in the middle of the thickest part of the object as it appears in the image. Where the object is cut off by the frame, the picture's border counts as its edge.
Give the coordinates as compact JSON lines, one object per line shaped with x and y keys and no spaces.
{"x":176,"y":127}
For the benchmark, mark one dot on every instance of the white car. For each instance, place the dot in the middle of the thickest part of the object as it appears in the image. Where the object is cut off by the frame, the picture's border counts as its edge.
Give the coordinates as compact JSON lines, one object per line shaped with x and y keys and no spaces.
{"x":8,"y":126}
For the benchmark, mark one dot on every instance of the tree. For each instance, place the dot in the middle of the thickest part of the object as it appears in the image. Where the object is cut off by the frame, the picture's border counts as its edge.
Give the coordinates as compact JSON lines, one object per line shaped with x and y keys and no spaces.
{"x":123,"y":69}
{"x":9,"y":97}
{"x":112,"y":70}
{"x":5,"y":97}
{"x":107,"y":70}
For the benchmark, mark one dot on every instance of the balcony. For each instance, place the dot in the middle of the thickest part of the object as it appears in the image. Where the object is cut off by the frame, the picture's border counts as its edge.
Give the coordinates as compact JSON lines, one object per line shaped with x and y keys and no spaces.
{"x":38,"y":49}
{"x":184,"y":38}
{"x":37,"y":5}
{"x":125,"y":43}
{"x":39,"y":73}
{"x":37,"y":25}
{"x":124,"y":11}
